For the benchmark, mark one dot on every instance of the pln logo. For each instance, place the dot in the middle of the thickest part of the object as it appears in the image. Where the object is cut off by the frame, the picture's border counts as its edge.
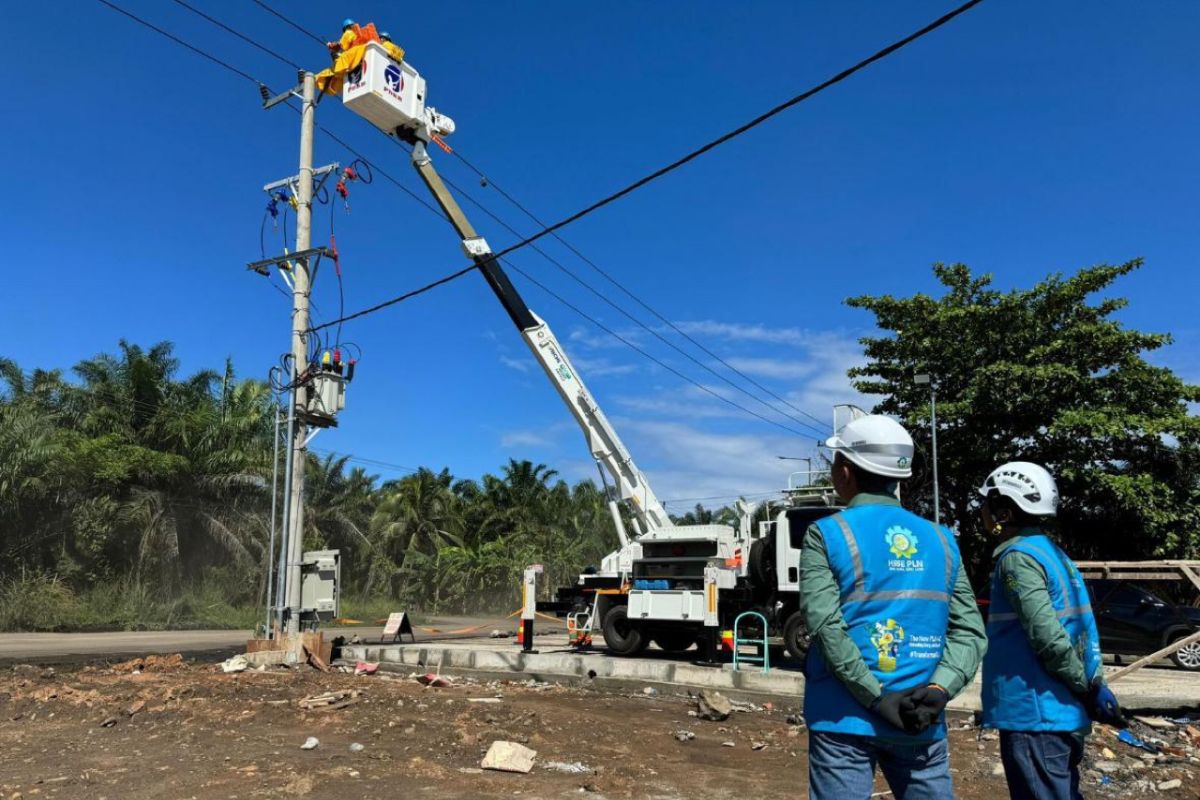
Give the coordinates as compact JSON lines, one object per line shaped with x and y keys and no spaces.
{"x":394,"y":79}
{"x":902,"y":544}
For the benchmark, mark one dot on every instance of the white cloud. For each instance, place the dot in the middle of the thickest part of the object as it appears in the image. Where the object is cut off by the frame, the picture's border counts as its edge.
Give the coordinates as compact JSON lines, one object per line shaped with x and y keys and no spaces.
{"x":519,"y":364}
{"x":600,"y":367}
{"x":524,"y":438}
{"x":772,"y":367}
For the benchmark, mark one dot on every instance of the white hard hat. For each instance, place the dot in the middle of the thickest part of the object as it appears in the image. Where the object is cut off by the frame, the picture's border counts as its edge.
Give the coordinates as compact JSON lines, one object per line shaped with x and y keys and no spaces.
{"x":878,"y":444}
{"x":1031,"y":487}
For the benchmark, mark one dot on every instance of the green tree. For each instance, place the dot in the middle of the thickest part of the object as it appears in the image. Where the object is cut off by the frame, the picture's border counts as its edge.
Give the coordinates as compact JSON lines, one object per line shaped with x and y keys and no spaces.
{"x":1045,"y":374}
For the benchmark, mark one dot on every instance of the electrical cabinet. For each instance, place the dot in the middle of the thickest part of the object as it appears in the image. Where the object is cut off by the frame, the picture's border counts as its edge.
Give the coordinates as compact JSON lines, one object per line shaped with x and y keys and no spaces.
{"x":320,"y":586}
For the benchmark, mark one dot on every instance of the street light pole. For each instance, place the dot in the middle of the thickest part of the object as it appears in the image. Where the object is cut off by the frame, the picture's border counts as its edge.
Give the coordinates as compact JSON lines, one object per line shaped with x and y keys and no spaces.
{"x":921,"y":380}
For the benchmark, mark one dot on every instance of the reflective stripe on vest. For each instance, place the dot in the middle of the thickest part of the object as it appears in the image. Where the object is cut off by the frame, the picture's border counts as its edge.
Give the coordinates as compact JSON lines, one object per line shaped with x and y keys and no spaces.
{"x":895,"y":573}
{"x":1018,"y":693}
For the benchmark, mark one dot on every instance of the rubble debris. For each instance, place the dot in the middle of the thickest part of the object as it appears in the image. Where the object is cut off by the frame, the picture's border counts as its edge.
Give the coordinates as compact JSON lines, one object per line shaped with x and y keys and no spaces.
{"x":684,"y":736}
{"x":311,"y":743}
{"x":1166,"y":786}
{"x":746,"y":708}
{"x":505,"y":756}
{"x":151,"y":664}
{"x":575,"y":767}
{"x":483,"y":700}
{"x":137,"y":706}
{"x":499,"y":634}
{"x":1156,"y":722}
{"x":330,"y":701}
{"x":108,"y":722}
{"x":713,"y":706}
{"x":434,"y":681}
{"x":650,"y":691}
{"x":758,"y":746}
{"x":366,"y":667}
{"x":728,"y":744}
{"x":794,"y":719}
{"x":237,"y":663}
{"x":1108,"y":767}
{"x":355,"y":747}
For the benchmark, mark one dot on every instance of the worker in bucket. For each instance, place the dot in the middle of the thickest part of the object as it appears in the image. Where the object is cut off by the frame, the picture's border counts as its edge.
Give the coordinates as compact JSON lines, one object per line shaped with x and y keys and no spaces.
{"x":395,"y":51}
{"x":347,"y":40}
{"x":896,"y":632}
{"x":1042,"y":677}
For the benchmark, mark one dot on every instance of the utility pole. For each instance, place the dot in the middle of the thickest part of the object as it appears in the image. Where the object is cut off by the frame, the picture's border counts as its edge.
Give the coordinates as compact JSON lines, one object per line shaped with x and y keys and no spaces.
{"x":300,"y":297}
{"x":921,"y":380}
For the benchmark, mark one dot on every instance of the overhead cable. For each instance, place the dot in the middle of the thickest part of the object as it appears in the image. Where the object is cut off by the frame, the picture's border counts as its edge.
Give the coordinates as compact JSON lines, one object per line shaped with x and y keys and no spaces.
{"x":761,"y":118}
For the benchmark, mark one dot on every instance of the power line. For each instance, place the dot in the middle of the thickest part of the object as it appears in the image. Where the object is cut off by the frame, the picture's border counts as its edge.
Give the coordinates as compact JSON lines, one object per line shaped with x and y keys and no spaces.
{"x":674,"y":165}
{"x":661,"y":363}
{"x":627,"y":292}
{"x":447,"y":279}
{"x":181,"y":42}
{"x":303,"y":30}
{"x":239,"y":34}
{"x":453,"y":276}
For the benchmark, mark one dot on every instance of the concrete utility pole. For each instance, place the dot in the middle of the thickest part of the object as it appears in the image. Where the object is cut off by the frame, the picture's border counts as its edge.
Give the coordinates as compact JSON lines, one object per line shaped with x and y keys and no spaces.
{"x":300,"y":298}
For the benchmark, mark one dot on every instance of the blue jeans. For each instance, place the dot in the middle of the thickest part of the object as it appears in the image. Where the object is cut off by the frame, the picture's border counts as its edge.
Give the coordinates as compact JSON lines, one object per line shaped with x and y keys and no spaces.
{"x":842,"y":767}
{"x":1042,"y":765}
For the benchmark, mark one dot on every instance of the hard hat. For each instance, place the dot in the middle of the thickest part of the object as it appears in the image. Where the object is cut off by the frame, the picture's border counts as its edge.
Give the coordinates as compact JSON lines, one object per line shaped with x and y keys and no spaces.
{"x":1031,"y":487}
{"x":348,"y":23}
{"x":385,"y":36}
{"x":878,"y":444}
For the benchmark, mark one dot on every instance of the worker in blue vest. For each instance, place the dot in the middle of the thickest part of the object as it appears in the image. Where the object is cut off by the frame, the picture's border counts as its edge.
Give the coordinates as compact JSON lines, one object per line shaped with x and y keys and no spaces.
{"x":895,"y":628}
{"x":1042,"y":677}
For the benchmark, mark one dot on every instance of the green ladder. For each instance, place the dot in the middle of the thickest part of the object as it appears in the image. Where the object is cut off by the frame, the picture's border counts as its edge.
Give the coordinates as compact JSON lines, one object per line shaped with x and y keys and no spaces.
{"x":765,"y":657}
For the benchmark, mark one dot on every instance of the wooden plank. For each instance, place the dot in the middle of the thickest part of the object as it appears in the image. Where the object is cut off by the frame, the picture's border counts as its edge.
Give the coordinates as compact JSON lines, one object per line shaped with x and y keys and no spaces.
{"x":1150,"y":659}
{"x":1131,"y":576}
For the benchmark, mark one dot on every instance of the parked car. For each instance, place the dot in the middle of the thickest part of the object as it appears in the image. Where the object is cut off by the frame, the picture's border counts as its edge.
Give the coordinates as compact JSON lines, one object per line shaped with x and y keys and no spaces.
{"x":1135,"y":621}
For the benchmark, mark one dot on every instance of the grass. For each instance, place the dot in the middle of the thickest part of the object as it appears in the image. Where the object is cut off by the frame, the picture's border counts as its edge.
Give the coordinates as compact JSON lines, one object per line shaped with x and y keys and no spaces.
{"x":43,"y":602}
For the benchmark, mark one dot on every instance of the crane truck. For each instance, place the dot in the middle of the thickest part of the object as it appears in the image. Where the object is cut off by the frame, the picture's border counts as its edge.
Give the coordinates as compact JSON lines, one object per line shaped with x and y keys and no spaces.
{"x":652,"y":587}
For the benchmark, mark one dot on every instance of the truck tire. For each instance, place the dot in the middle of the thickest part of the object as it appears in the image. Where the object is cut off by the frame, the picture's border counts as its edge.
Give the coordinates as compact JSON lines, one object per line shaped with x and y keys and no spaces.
{"x":675,"y":641}
{"x":795,"y":636}
{"x":621,"y":637}
{"x":761,"y":563}
{"x":1187,"y":657}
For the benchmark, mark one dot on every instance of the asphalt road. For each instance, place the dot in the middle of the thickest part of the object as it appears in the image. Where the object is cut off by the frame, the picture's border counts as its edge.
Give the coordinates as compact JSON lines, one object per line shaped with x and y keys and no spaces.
{"x":68,"y":647}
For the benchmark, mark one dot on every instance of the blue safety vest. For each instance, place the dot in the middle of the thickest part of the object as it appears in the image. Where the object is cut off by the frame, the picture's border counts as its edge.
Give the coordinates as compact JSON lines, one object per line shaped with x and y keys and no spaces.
{"x":1018,"y":693}
{"x":896,"y":572}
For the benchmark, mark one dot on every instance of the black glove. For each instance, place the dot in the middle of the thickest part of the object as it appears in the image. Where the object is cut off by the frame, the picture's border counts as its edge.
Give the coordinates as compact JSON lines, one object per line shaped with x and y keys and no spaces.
{"x":898,"y":709}
{"x":1102,"y":705}
{"x":929,"y":702}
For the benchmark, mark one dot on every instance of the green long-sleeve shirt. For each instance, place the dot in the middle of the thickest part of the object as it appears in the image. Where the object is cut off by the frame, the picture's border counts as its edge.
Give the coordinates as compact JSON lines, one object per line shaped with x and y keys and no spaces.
{"x":1024,"y":584}
{"x":821,"y":601}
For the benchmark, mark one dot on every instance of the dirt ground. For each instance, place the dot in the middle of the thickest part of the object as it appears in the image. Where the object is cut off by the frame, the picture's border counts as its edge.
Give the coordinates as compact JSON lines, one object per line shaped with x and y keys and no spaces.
{"x":170,"y":729}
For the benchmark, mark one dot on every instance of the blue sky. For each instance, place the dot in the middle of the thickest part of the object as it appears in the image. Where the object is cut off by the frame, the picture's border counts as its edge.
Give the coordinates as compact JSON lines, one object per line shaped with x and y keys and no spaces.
{"x":1021,"y":139}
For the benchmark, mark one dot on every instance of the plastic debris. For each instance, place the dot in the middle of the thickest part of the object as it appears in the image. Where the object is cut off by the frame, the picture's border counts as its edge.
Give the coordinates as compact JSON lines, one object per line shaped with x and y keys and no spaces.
{"x":355,"y":747}
{"x":310,"y":743}
{"x":366,"y":668}
{"x":573,"y":767}
{"x":235,"y":664}
{"x":1128,"y":738}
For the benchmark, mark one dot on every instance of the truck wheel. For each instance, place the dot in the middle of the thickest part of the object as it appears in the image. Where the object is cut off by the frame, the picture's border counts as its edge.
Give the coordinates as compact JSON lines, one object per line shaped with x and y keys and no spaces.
{"x":795,"y":636}
{"x":1188,"y":656}
{"x":620,"y":635}
{"x":675,"y":641}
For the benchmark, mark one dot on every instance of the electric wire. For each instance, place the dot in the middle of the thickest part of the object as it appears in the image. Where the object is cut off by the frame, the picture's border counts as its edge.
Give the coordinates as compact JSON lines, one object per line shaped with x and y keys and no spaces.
{"x":303,"y":30}
{"x":240,"y":35}
{"x":550,"y":229}
{"x":608,"y":277}
{"x":707,"y":351}
{"x":644,"y":353}
{"x":180,"y":42}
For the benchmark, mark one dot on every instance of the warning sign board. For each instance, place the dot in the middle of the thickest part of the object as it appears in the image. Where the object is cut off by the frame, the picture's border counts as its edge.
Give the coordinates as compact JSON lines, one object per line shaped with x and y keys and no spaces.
{"x":397,"y":625}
